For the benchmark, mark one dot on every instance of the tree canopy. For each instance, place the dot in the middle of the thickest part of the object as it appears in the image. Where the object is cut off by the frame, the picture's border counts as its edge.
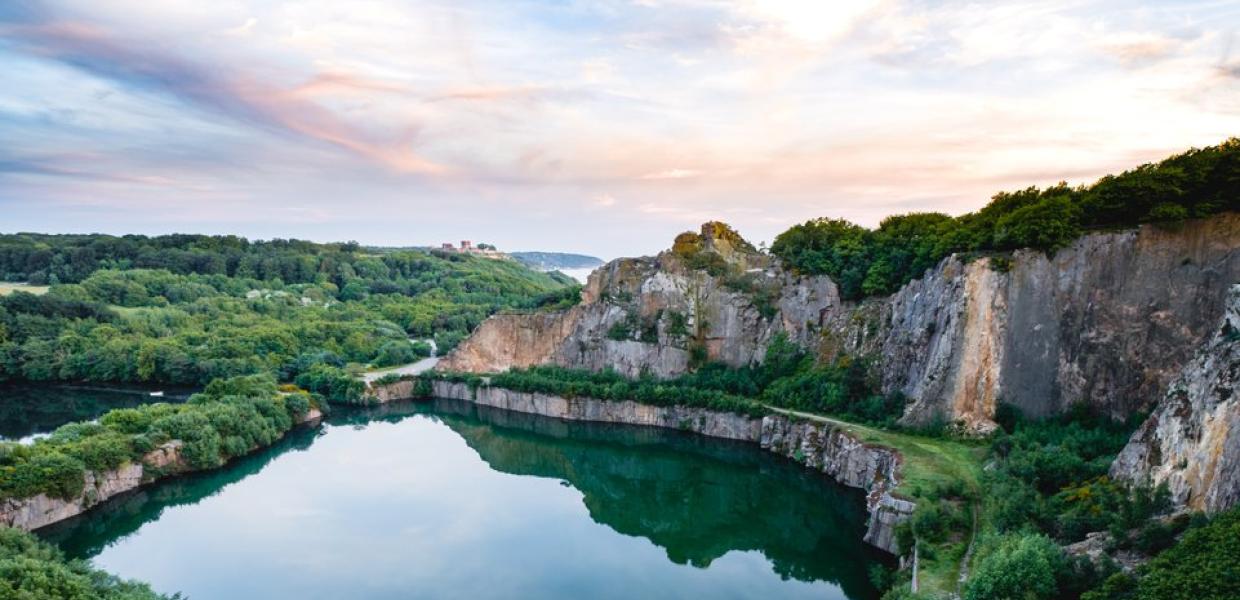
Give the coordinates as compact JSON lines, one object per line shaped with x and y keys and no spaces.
{"x":865,"y":262}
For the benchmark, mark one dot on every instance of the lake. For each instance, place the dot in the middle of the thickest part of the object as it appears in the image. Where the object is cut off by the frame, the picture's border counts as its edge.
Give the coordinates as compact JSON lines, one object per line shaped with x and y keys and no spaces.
{"x":29,"y":411}
{"x":445,"y":499}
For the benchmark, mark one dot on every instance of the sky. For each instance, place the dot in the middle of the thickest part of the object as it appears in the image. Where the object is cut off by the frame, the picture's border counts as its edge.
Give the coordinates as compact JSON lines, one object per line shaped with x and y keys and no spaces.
{"x":600,"y":127}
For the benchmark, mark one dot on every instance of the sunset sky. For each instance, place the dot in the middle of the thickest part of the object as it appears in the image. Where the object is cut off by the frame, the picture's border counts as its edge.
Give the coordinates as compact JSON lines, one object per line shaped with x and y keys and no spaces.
{"x":598,"y":127}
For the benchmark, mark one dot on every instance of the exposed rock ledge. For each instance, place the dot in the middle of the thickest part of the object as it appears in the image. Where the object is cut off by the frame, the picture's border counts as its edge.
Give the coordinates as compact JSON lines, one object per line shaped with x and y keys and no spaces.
{"x":43,"y":510}
{"x":816,"y":445}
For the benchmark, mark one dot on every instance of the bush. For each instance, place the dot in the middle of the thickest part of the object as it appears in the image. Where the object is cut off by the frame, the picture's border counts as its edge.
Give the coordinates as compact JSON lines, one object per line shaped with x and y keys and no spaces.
{"x":336,"y":385}
{"x":33,"y":569}
{"x":1019,"y":567}
{"x":1203,"y":566}
{"x":50,"y":472}
{"x":398,"y":352}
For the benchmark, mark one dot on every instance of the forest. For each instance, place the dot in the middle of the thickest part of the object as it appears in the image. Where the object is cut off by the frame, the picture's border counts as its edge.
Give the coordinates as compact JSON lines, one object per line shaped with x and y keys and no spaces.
{"x":186,"y":310}
{"x":867,"y":262}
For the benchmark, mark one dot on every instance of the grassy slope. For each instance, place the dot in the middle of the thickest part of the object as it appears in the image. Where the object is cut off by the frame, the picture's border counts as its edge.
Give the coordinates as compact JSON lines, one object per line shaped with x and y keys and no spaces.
{"x":928,"y":464}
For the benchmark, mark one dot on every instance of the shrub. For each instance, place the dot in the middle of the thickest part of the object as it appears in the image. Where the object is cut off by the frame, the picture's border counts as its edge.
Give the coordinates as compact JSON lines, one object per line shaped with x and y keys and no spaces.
{"x":397,"y":352}
{"x":50,"y":472}
{"x":336,"y":385}
{"x":33,"y":569}
{"x":1203,"y":566}
{"x":1019,"y":567}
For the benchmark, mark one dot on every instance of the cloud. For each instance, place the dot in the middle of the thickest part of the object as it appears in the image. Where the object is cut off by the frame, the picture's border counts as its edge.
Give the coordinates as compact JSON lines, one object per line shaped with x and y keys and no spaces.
{"x":605,"y":123}
{"x":94,"y":49}
{"x":673,"y":174}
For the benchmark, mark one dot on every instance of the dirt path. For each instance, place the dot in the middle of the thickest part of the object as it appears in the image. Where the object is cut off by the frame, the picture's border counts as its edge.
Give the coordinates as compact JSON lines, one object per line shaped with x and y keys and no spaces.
{"x":415,"y":368}
{"x":968,"y":554}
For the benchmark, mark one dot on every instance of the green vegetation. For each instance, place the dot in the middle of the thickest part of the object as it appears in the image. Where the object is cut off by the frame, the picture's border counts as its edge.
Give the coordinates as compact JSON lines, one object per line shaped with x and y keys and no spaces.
{"x":1018,"y":566}
{"x":1045,"y":484}
{"x":1050,"y":476}
{"x":190,"y":309}
{"x":608,"y":385}
{"x":1203,"y":566}
{"x":229,"y":418}
{"x":31,"y":569}
{"x":864,"y":262}
{"x":788,"y":378}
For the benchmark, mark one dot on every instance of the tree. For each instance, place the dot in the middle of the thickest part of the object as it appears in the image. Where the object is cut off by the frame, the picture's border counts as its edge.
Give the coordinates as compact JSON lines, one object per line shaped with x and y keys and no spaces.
{"x":1020,"y":567}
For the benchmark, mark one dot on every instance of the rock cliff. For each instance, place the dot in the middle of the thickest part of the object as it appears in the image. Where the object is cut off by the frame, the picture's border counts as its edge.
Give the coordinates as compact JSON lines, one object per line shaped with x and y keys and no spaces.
{"x":1108,"y":320}
{"x":1192,"y":441}
{"x":819,"y":446}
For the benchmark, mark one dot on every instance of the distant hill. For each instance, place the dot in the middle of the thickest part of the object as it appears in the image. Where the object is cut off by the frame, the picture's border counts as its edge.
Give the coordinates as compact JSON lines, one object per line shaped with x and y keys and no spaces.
{"x":556,"y":260}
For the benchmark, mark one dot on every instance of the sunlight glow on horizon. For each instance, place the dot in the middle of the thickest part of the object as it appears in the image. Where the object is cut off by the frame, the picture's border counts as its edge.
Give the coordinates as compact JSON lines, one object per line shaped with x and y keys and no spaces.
{"x":602,"y":127}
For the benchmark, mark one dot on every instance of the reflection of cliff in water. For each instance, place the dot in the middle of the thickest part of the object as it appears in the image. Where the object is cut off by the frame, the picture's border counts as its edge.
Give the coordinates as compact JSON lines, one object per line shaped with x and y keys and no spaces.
{"x":698,"y":498}
{"x":87,"y":535}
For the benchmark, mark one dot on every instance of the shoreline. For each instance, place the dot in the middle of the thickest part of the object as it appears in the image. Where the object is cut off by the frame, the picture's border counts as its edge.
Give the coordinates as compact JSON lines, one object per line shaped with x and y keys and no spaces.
{"x":816,"y":445}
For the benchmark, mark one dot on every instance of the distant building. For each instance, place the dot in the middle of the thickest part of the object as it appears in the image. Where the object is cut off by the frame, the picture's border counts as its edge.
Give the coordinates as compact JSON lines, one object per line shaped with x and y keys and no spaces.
{"x":468,"y":247}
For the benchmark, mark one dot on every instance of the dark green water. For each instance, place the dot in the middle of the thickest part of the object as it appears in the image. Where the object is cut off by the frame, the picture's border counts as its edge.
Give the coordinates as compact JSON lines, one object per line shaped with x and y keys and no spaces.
{"x":29,"y":410}
{"x":447,"y":500}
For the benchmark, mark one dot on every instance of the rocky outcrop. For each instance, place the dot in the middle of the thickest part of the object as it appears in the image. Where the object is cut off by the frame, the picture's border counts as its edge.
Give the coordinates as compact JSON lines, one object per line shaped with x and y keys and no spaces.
{"x":397,"y":390}
{"x":1108,"y":320}
{"x":41,"y":510}
{"x":820,"y":446}
{"x":652,"y":314}
{"x":512,"y":340}
{"x":1191,"y":442}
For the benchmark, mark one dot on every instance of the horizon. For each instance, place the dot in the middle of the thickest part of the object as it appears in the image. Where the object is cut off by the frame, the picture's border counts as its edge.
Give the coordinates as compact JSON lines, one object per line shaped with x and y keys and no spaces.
{"x":599,"y":128}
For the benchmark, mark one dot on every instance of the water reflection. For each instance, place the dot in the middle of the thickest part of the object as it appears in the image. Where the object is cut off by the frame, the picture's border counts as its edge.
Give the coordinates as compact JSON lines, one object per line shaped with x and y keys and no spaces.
{"x":393,"y":501}
{"x":28,"y":411}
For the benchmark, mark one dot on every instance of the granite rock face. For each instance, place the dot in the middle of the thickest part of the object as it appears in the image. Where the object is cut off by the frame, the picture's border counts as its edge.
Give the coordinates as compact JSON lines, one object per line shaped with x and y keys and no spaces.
{"x":1109,"y":320}
{"x":816,"y":445}
{"x":1192,"y":441}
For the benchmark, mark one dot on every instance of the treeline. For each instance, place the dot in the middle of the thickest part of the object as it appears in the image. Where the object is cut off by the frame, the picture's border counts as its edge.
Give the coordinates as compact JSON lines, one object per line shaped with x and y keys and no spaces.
{"x":865,"y":262}
{"x":145,"y":325}
{"x":227,"y":419}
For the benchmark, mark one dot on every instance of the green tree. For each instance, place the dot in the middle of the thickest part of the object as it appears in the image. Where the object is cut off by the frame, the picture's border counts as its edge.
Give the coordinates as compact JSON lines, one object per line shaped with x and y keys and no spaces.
{"x":1021,"y":567}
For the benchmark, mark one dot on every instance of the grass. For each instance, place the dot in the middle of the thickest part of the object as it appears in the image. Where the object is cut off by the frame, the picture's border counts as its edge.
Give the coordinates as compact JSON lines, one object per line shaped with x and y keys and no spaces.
{"x":929,"y":464}
{"x":7,"y":288}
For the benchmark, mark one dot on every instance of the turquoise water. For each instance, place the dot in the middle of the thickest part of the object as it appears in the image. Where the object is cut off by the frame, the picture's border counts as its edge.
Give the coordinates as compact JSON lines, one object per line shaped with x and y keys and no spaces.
{"x":446,"y":500}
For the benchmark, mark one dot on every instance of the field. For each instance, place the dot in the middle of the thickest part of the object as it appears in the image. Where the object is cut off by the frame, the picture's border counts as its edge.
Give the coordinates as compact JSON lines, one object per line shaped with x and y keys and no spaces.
{"x":7,"y":288}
